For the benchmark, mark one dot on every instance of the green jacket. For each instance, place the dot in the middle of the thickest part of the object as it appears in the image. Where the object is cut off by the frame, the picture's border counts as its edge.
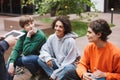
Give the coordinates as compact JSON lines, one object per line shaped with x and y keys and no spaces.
{"x":27,"y":46}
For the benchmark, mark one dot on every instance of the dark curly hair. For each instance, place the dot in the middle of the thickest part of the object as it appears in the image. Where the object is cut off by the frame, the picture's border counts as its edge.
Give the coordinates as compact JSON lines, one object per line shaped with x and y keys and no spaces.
{"x":101,"y":26}
{"x":65,"y":21}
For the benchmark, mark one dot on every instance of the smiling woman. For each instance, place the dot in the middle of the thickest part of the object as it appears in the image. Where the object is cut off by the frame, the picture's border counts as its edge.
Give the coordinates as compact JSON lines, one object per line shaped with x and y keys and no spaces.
{"x":60,"y":52}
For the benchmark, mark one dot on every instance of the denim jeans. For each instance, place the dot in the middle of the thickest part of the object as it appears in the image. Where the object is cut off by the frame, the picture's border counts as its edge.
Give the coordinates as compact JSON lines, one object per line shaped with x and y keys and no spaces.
{"x":29,"y":62}
{"x":49,"y":70}
{"x":72,"y":75}
{"x":101,"y":79}
{"x":65,"y":70}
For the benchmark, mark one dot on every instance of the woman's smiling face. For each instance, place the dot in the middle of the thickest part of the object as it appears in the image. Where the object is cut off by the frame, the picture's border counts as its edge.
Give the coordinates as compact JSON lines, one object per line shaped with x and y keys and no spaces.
{"x":92,"y":37}
{"x":59,"y":29}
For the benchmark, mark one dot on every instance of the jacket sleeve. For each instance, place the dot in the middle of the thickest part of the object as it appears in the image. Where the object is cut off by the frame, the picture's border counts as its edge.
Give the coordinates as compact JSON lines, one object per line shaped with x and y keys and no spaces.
{"x":3,"y":47}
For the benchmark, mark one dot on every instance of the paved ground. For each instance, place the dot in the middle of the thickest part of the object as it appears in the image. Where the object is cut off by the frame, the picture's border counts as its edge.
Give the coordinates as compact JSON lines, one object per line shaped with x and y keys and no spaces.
{"x":82,"y":41}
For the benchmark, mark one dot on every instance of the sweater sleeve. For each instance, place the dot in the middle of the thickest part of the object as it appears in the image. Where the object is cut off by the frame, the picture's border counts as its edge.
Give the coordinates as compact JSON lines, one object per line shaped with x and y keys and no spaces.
{"x":17,"y":51}
{"x":33,"y":45}
{"x":116,"y":67}
{"x":71,"y":51}
{"x":83,"y":63}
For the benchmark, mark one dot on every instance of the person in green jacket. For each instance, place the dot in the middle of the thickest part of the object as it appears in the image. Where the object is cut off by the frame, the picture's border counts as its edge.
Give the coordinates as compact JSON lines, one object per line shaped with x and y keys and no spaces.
{"x":26,"y":50}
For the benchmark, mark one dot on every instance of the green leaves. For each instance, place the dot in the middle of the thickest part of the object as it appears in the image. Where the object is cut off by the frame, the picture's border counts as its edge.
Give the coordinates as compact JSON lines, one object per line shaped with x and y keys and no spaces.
{"x":60,"y":7}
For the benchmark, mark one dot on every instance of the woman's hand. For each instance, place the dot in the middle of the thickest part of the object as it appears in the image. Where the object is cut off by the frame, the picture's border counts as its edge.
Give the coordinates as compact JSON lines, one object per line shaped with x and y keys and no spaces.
{"x":49,"y":63}
{"x":88,"y":76}
{"x":50,"y":78}
{"x":31,"y":32}
{"x":99,"y":74}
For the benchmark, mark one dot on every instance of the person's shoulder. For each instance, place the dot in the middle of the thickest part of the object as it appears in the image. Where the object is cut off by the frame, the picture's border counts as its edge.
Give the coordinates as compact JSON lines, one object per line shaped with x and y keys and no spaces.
{"x":113,"y":46}
{"x":115,"y":49}
{"x":23,"y":31}
{"x":90,"y":45}
{"x":52,"y":36}
{"x":70,"y":40}
{"x":40,"y":33}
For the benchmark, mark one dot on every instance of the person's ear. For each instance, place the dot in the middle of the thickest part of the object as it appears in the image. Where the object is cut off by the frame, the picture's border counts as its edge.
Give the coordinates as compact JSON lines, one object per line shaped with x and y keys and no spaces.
{"x":99,"y":34}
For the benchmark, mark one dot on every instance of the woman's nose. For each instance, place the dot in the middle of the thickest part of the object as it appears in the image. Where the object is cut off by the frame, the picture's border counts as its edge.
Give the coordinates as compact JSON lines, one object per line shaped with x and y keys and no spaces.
{"x":87,"y":34}
{"x":57,"y":27}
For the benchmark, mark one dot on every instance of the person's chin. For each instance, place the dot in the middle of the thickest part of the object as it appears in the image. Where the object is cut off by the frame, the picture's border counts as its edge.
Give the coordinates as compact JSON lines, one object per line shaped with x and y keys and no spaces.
{"x":90,"y":41}
{"x":57,"y":34}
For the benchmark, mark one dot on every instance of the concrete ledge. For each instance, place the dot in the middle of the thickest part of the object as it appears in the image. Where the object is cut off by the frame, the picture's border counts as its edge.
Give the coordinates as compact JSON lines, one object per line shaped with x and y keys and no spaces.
{"x":11,"y":23}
